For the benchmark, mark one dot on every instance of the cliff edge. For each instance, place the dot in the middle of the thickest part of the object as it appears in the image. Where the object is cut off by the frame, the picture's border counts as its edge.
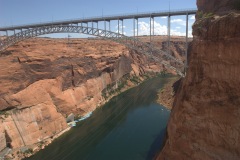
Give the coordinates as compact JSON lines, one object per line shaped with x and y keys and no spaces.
{"x":205,"y":119}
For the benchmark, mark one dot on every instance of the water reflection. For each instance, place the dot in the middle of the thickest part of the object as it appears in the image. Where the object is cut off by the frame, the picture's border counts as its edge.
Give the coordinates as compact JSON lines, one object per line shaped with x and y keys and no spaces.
{"x":131,"y":126}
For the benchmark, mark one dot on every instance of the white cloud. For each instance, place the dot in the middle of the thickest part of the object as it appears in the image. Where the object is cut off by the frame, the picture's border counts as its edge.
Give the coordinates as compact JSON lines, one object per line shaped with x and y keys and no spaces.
{"x":144,"y":29}
{"x":164,"y":17}
{"x":191,"y":23}
{"x":120,"y":29}
{"x":192,"y":17}
{"x":179,"y":21}
{"x":190,"y":33}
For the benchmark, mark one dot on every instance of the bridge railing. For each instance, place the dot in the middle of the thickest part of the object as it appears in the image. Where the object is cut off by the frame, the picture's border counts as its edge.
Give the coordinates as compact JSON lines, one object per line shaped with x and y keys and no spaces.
{"x":154,"y":12}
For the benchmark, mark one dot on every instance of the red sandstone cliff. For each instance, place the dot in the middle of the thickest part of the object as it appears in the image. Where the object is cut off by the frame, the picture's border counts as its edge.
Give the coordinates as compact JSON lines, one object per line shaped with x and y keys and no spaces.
{"x":44,"y":80}
{"x":205,"y":120}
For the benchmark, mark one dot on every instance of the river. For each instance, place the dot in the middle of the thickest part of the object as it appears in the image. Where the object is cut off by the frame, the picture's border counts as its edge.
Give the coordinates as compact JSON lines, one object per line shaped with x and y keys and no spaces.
{"x":131,"y":126}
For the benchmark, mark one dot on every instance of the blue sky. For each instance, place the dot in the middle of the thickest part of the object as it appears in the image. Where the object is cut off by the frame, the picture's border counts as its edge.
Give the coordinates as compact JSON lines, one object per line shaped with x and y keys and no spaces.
{"x":15,"y":12}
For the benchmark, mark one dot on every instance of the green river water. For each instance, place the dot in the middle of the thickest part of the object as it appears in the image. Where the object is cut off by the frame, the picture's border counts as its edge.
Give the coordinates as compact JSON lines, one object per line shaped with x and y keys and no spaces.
{"x":131,"y":126}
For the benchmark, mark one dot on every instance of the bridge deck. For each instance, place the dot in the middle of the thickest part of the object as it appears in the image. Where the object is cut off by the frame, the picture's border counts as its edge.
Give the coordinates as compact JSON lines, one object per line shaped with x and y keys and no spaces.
{"x":105,"y":18}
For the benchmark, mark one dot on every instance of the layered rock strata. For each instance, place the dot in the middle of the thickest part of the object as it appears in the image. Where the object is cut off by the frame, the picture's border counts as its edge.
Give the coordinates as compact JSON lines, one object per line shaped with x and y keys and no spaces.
{"x":44,"y":80}
{"x":205,"y":119}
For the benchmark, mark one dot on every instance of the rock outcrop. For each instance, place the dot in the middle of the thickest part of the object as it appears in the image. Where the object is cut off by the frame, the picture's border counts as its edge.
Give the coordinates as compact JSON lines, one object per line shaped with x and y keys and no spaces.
{"x":205,"y":119}
{"x":3,"y":141}
{"x":167,"y":94}
{"x":218,"y":6}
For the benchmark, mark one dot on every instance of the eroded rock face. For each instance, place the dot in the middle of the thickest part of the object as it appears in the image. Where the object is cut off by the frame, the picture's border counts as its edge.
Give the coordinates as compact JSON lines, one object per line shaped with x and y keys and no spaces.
{"x":3,"y":141}
{"x":217,"y":6}
{"x":34,"y":124}
{"x":44,"y":80}
{"x":205,"y":120}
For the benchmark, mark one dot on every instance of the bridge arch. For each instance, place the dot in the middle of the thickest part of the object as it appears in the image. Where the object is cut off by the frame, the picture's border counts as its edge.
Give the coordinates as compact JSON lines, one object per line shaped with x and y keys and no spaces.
{"x":130,"y":42}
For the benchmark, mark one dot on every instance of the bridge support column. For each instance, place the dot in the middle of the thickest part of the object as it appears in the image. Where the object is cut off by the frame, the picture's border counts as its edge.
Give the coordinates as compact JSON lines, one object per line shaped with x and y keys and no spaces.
{"x":150,"y":29}
{"x":109,"y":25}
{"x":118,"y":28}
{"x":81,"y":26}
{"x":92,"y":27}
{"x":7,"y":33}
{"x":105,"y":27}
{"x":122,"y":26}
{"x":137,"y":27}
{"x":133,"y":27}
{"x":169,"y":32}
{"x":153,"y":27}
{"x":186,"y":53}
{"x":87,"y":27}
{"x":97,"y":27}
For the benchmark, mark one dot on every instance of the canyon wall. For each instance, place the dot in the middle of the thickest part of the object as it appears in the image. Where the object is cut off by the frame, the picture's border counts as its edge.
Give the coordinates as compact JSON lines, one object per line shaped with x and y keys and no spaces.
{"x":44,"y":80}
{"x":205,"y":119}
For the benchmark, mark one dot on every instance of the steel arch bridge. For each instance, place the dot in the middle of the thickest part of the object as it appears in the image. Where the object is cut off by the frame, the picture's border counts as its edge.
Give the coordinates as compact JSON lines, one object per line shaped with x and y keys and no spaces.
{"x":130,"y":42}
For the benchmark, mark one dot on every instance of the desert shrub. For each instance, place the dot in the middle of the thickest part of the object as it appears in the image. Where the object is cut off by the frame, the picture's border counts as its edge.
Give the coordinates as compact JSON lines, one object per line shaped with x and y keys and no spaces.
{"x":28,"y":151}
{"x":200,"y":14}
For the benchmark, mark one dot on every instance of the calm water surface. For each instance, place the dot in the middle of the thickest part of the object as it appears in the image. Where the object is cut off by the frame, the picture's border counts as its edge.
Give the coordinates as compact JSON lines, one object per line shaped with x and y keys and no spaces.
{"x":130,"y":127}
